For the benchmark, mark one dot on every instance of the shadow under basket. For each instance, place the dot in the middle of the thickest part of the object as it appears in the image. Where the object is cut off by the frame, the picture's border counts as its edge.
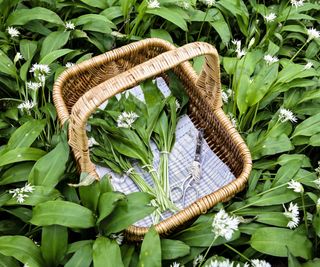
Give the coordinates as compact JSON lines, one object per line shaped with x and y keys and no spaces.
{"x":81,"y":89}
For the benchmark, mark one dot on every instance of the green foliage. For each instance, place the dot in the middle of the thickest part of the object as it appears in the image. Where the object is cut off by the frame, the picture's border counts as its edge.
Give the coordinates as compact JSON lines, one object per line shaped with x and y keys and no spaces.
{"x":59,"y":225}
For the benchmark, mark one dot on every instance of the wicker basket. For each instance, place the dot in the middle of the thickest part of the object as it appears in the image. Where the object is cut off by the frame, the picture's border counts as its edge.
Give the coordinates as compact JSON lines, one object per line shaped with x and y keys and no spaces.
{"x":81,"y":89}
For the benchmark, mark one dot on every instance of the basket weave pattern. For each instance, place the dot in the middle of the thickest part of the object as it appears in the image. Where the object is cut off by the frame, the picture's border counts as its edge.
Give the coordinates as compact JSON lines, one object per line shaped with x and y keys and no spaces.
{"x":80,"y":90}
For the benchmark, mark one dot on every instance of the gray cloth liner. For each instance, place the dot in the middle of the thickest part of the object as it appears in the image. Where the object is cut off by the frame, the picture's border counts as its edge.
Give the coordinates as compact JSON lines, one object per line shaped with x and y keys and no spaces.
{"x":214,"y":173}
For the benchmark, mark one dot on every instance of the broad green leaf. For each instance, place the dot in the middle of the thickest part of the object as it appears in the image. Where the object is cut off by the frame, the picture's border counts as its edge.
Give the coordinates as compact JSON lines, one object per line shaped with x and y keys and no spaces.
{"x":39,"y":195}
{"x":286,"y":158}
{"x":49,"y":169}
{"x":6,"y":65}
{"x":275,"y":241}
{"x":21,"y":248}
{"x":229,"y":64}
{"x":89,"y":195}
{"x":150,"y":254}
{"x":74,"y":247}
{"x":309,"y":95}
{"x":127,"y":252}
{"x":62,"y":213}
{"x":54,"y":41}
{"x":6,"y":261}
{"x":201,"y":235}
{"x":312,"y":263}
{"x":316,"y":223}
{"x":275,"y":197}
{"x":273,"y":218}
{"x":294,"y":71}
{"x":172,"y":249}
{"x":308,"y":127}
{"x":28,"y":48}
{"x":23,"y":16}
{"x":24,"y":214}
{"x":218,"y":22}
{"x":26,"y":134}
{"x":286,"y":173}
{"x":169,"y":15}
{"x":82,"y":257}
{"x":52,"y":56}
{"x":128,"y":211}
{"x":95,"y":22}
{"x":107,"y":203}
{"x":271,"y":146}
{"x":106,"y":253}
{"x":96,"y":3}
{"x":162,"y":34}
{"x":315,"y":140}
{"x":21,"y":154}
{"x":261,"y":83}
{"x":292,"y":261}
{"x":17,"y":173}
{"x":54,"y":242}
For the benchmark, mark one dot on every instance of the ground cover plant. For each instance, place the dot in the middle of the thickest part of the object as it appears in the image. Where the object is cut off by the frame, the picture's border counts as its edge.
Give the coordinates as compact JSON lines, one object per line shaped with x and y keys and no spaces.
{"x":270,"y":74}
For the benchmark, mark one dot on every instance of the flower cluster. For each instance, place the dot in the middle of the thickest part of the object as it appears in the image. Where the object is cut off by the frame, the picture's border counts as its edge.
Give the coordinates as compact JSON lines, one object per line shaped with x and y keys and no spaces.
{"x":286,"y":115}
{"x":40,"y":68}
{"x":153,"y":4}
{"x":297,"y":3}
{"x":92,"y":142}
{"x":118,"y":238}
{"x":270,"y":59}
{"x":208,"y":3}
{"x":184,"y":4}
{"x":26,"y":105}
{"x":13,"y":32}
{"x":69,"y":25}
{"x":69,"y":64}
{"x":260,"y":263}
{"x":34,"y":86}
{"x":226,"y":95}
{"x":224,"y":225}
{"x":312,"y":34}
{"x":198,"y":260}
{"x":292,"y":214}
{"x":295,"y":186}
{"x":126,"y":119}
{"x":271,"y":17}
{"x":17,"y":57}
{"x":240,"y":52}
{"x":21,"y":193}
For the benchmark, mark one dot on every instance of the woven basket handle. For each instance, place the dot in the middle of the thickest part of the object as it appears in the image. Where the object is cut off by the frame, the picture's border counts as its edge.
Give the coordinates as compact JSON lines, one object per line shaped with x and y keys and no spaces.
{"x":208,"y":84}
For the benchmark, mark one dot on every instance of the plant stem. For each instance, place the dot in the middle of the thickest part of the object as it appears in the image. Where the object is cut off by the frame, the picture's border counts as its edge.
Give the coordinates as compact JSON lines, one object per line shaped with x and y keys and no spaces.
{"x":204,"y":19}
{"x":238,"y":252}
{"x":207,"y":251}
{"x":304,"y":213}
{"x":299,"y":51}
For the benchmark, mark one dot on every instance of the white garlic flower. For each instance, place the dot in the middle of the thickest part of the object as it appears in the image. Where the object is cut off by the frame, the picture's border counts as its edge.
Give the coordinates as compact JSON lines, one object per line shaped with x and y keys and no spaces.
{"x":286,"y":115}
{"x":69,"y":64}
{"x":17,"y":57}
{"x":40,"y":68}
{"x":13,"y":32}
{"x":308,"y":66}
{"x":184,"y":4}
{"x":20,"y":193}
{"x":26,"y":105}
{"x":270,"y":59}
{"x":271,"y":17}
{"x":292,"y":214}
{"x":297,"y":3}
{"x":317,"y":182}
{"x":175,"y":264}
{"x":208,"y":3}
{"x":295,"y":186}
{"x":224,"y":263}
{"x":69,"y":25}
{"x":224,"y":225}
{"x":92,"y":142}
{"x":118,"y":238}
{"x":312,"y":34}
{"x":260,"y":263}
{"x":153,"y":4}
{"x":126,"y":119}
{"x":197,"y":260}
{"x":240,"y":52}
{"x":34,"y":86}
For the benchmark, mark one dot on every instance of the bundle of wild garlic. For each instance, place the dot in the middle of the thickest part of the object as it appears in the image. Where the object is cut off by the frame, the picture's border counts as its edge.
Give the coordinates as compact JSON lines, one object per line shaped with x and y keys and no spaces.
{"x":125,"y":129}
